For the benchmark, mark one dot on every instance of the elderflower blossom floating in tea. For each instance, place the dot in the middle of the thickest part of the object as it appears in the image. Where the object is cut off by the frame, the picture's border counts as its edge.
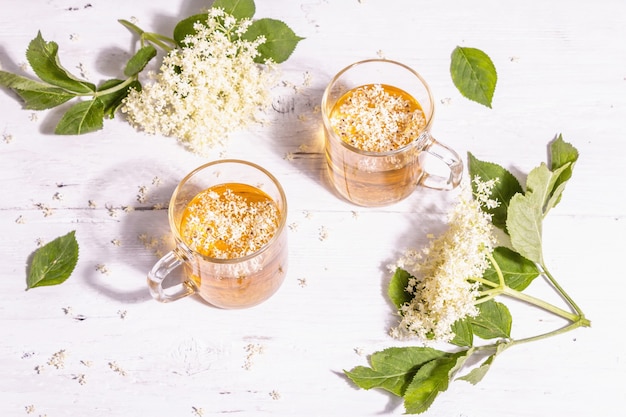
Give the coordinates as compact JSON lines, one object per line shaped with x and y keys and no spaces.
{"x":207,"y":89}
{"x":443,"y":273}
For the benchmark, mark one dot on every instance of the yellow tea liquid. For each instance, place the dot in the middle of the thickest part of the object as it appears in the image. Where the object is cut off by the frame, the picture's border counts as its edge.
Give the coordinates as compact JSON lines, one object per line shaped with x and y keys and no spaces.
{"x":228,"y":222}
{"x":382,"y":121}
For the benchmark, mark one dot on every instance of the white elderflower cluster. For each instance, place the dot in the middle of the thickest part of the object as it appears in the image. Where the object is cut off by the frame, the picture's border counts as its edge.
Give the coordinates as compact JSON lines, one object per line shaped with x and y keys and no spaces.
{"x":207,"y":89}
{"x":444,"y":272}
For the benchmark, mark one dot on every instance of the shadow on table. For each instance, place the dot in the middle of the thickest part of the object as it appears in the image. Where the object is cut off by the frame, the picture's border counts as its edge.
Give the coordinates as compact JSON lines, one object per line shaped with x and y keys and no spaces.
{"x":131,"y":232}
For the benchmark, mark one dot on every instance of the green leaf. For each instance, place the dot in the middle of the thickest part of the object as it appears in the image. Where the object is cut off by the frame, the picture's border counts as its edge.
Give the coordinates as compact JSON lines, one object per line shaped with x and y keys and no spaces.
{"x":430,"y":380}
{"x":42,"y":57}
{"x":477,"y":374}
{"x":83,"y":117}
{"x":518,"y":272}
{"x":397,"y":288}
{"x":506,"y":187}
{"x":526,"y":212}
{"x":36,"y":95}
{"x":493,"y":320}
{"x":113,"y":100}
{"x":463,"y":333}
{"x":54,"y":262}
{"x":280,"y":40}
{"x":393,"y":369}
{"x":138,"y":62}
{"x":185,"y":27}
{"x":473,"y":74}
{"x":240,"y":9}
{"x":561,"y":154}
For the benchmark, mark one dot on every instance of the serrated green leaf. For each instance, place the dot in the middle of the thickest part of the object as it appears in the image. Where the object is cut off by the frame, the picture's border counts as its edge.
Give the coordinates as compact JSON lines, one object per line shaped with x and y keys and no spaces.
{"x":83,"y":117}
{"x":138,"y":62}
{"x":473,"y":74}
{"x":53,"y":263}
{"x":397,"y":288}
{"x":526,"y":212}
{"x":561,"y":154}
{"x":493,"y":320}
{"x":463,"y":334}
{"x":477,"y":374}
{"x":430,"y":380}
{"x":36,"y":95}
{"x":185,"y":27}
{"x":280,"y":40}
{"x":506,"y":187}
{"x":393,"y":369}
{"x":518,"y":272}
{"x":43,"y":59}
{"x":112,"y":101}
{"x":240,"y":9}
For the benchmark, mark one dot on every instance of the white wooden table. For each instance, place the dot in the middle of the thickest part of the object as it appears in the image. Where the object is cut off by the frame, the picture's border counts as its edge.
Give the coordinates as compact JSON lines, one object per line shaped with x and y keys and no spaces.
{"x":562,"y":69}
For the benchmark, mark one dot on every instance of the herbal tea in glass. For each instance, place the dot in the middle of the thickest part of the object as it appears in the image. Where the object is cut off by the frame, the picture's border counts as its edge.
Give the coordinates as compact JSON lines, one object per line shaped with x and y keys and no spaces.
{"x":228,"y":218}
{"x":377,"y":116}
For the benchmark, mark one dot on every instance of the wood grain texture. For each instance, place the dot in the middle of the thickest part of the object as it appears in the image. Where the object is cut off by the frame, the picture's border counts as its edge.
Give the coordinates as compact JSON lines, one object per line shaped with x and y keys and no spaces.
{"x":562,"y":69}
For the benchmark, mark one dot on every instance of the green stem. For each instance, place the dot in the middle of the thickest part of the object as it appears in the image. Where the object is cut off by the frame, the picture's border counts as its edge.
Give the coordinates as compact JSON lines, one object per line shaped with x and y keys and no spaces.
{"x":113,"y":89}
{"x":561,"y":291}
{"x":156,"y":38}
{"x":580,"y":322}
{"x":541,"y":304}
{"x":506,"y":290}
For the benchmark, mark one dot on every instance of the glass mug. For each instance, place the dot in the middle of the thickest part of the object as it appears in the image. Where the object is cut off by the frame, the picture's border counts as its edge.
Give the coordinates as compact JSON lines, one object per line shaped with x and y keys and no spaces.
{"x":379,"y":178}
{"x":238,"y":279}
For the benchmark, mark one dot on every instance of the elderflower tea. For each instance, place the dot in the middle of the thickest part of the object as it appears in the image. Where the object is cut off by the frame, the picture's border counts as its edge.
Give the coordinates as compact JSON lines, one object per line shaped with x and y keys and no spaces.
{"x":228,"y":219}
{"x":377,"y":117}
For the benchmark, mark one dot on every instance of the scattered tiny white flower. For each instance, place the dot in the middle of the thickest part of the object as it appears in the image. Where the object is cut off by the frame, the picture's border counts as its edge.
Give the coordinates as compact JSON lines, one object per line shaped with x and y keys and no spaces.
{"x":81,"y":378}
{"x":275,"y":395}
{"x":323,"y":233}
{"x":302,"y":282}
{"x":92,"y":204}
{"x":47,"y":211}
{"x":252,"y":350}
{"x":117,"y":369}
{"x":103,"y":269}
{"x":58,"y":359}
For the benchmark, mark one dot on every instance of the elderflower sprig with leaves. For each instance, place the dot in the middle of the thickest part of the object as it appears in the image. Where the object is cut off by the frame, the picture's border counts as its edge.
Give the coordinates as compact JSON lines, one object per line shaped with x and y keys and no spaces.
{"x":215,"y":77}
{"x":207,"y":89}
{"x":447,"y":292}
{"x":437,"y":286}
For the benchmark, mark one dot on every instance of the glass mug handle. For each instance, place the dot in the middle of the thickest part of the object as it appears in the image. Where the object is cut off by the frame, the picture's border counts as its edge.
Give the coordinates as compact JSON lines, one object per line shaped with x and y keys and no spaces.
{"x":451,"y":159}
{"x":164,"y":266}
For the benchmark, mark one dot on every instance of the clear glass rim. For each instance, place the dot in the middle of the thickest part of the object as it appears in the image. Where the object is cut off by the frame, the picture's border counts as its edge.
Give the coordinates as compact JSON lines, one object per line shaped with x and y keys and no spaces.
{"x":421,"y":139}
